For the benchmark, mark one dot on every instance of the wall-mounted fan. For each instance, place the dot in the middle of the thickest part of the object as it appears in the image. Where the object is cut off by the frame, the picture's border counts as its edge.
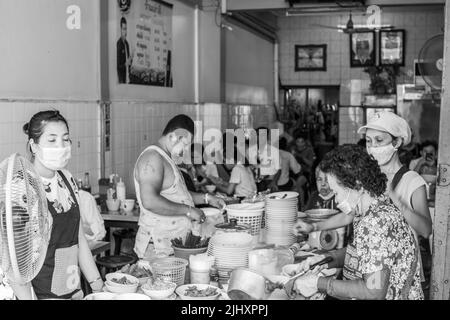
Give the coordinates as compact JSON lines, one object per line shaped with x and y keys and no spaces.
{"x":431,"y":61}
{"x":350,"y":27}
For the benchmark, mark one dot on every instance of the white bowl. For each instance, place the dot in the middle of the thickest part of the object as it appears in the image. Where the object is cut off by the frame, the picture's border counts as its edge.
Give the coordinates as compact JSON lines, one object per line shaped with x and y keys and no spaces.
{"x":100,"y":296}
{"x":159,"y":294}
{"x":120,"y":289}
{"x":128,"y":205}
{"x":113,"y":204}
{"x":181,"y":290}
{"x":210,"y":188}
{"x":132,"y":296}
{"x":118,"y":275}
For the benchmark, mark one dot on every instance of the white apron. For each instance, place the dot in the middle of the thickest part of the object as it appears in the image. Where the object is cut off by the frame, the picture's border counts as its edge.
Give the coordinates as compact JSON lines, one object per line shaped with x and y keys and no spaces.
{"x":161,"y":229}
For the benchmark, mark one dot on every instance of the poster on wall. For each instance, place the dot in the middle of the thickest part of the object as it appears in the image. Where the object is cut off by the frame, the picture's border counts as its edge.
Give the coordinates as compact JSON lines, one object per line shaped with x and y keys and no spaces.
{"x":144,"y":45}
{"x":362,"y":49}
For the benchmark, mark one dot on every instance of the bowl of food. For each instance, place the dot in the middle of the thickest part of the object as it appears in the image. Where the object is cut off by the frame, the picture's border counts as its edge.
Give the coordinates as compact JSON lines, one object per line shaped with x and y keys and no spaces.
{"x":159,"y":289}
{"x":121,"y":283}
{"x":140,"y":271}
{"x":101,"y":296}
{"x":197,"y":292}
{"x":210,"y":188}
{"x":131,"y":296}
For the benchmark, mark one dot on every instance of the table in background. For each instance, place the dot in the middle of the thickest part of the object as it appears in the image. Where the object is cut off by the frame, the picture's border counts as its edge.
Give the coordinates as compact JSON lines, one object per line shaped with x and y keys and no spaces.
{"x":120,"y":219}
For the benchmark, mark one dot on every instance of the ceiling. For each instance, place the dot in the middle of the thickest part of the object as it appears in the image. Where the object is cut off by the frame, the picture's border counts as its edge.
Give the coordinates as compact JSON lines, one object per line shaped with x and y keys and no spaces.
{"x":317,"y":7}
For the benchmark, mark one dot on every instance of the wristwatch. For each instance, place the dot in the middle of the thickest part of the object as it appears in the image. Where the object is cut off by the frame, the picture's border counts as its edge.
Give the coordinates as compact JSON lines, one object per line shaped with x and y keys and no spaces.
{"x":94,"y":282}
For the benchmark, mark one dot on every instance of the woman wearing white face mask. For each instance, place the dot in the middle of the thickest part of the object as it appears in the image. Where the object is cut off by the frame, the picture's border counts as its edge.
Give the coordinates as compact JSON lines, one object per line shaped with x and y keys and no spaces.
{"x":385,"y":134}
{"x":68,"y":250}
{"x":382,"y":260}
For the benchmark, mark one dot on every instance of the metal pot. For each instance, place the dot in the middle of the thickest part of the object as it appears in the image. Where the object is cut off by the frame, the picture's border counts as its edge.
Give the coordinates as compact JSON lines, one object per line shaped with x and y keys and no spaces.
{"x":247,"y":285}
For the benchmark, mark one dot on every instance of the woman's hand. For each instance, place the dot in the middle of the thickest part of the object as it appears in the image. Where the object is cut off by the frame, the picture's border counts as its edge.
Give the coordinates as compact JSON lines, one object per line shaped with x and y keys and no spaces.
{"x":302,"y":227}
{"x":195,"y":214}
{"x":306,"y":264}
{"x":306,"y":285}
{"x":97,"y":286}
{"x":216,"y":202}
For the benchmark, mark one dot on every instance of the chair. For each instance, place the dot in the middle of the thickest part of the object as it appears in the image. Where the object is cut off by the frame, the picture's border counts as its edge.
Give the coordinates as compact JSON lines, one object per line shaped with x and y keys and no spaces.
{"x":120,"y":235}
{"x":110,"y":264}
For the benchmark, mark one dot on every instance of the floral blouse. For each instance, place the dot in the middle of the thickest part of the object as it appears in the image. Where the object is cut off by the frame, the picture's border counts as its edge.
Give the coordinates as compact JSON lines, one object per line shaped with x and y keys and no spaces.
{"x":383,"y":239}
{"x":55,"y":189}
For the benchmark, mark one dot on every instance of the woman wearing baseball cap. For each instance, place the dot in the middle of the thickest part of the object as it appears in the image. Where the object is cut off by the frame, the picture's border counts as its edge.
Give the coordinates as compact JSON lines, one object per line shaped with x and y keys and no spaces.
{"x":385,"y":134}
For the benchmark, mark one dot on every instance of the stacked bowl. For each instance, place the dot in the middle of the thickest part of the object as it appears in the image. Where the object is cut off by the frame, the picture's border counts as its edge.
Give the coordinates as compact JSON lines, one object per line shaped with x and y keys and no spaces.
{"x":281,"y":216}
{"x":230,"y":251}
{"x":317,"y":215}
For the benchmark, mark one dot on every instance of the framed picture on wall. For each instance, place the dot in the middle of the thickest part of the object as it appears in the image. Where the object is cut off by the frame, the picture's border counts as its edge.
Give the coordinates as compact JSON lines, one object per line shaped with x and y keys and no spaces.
{"x":392,"y":47}
{"x":362,"y":49}
{"x":311,"y":57}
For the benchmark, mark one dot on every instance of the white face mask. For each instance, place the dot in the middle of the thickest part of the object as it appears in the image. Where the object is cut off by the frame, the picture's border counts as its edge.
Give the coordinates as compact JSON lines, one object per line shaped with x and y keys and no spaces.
{"x":345,"y":206}
{"x":54,"y":158}
{"x":382,"y":154}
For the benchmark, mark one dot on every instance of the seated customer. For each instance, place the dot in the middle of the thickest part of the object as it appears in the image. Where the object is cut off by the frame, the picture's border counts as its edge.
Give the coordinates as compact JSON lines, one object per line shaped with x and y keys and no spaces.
{"x":304,"y":154}
{"x":323,"y":197}
{"x":91,"y":219}
{"x":288,"y":164}
{"x":188,"y":172}
{"x":242,"y":182}
{"x":267,"y":158}
{"x":427,"y":163}
{"x":382,"y":260}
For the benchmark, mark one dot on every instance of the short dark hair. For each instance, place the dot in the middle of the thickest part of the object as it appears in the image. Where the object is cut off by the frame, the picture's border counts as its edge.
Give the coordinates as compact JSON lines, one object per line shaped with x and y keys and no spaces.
{"x":180,"y":121}
{"x":123,"y":21}
{"x":428,"y":143}
{"x":354,"y":168}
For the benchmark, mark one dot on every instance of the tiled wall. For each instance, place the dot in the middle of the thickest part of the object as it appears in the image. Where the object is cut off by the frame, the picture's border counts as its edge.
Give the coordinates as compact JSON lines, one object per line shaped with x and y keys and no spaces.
{"x":350,"y":120}
{"x":83,"y":119}
{"x":420,"y":23}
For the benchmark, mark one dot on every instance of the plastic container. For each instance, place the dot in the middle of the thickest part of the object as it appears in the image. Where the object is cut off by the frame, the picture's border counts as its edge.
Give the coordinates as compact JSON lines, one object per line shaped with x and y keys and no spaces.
{"x":185,"y":253}
{"x":121,"y":190}
{"x":199,"y":266}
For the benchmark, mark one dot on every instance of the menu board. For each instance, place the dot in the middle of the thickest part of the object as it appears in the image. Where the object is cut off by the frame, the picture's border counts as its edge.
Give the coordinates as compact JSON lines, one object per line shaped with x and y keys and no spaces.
{"x":144,"y":45}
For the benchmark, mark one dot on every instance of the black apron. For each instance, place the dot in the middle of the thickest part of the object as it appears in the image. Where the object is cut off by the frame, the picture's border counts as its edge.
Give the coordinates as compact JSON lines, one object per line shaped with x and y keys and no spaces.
{"x":59,"y":277}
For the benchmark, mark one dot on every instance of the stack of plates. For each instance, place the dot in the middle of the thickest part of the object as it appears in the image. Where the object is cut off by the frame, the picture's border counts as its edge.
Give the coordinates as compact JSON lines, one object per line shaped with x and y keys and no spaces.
{"x":230,"y":251}
{"x":315,"y":215}
{"x":281,"y":216}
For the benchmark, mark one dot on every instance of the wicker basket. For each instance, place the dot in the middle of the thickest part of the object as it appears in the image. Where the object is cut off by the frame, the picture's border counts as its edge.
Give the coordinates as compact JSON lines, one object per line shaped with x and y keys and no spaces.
{"x":170,"y":269}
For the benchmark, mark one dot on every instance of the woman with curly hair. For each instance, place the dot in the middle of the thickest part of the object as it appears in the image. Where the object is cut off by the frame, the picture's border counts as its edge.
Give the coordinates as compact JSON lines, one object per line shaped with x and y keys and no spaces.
{"x":382,"y":260}
{"x":385,"y":134}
